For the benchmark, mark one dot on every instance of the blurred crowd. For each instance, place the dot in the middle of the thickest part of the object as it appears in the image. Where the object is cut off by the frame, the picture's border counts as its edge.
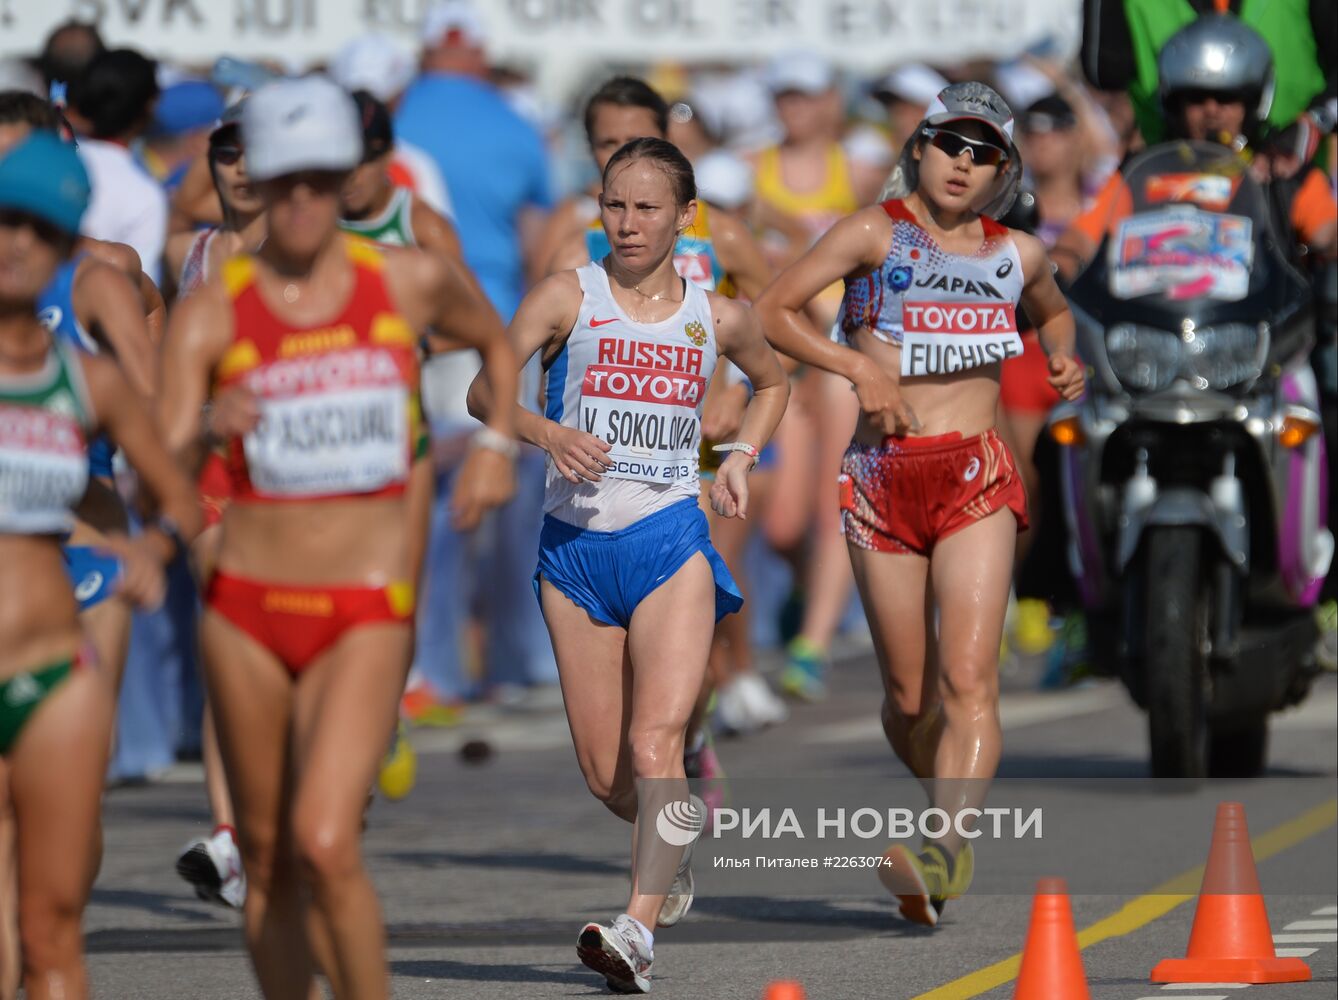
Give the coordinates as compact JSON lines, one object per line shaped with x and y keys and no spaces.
{"x":786,"y":147}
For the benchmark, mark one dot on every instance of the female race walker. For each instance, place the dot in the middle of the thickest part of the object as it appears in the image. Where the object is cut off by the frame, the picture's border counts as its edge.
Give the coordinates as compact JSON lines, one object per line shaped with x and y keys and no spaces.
{"x":931,"y":501}
{"x":307,"y":622}
{"x":630,"y":586}
{"x":55,"y":705}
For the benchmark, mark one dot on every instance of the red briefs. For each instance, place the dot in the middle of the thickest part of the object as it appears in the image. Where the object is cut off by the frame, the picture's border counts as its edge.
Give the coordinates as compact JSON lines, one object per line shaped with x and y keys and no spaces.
{"x":297,"y":624}
{"x":1024,"y":382}
{"x":906,"y":494}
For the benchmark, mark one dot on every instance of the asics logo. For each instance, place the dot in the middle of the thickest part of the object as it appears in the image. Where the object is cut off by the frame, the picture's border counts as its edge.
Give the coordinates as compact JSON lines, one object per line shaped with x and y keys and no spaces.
{"x":50,"y":318}
{"x":972,"y":470}
{"x":88,"y":586}
{"x":597,"y":323}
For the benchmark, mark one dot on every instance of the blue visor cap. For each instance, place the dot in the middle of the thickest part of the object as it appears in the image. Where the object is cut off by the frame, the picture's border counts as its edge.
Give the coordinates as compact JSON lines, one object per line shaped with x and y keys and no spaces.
{"x":43,"y":177}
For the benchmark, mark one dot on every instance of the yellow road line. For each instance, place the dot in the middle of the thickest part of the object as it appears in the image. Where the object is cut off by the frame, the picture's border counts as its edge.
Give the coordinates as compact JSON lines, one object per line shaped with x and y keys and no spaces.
{"x":1146,"y":908}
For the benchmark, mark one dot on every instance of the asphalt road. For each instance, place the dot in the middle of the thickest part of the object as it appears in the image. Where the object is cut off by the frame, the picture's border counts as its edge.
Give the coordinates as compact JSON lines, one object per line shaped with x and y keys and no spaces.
{"x":487,"y":872}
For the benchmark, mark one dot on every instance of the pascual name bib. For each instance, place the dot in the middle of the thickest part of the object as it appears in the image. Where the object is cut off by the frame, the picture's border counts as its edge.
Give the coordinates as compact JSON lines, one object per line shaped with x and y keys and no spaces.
{"x":330,"y":423}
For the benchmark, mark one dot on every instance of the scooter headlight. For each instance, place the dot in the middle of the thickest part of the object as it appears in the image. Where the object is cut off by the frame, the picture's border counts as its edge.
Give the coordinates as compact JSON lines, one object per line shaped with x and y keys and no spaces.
{"x":1219,"y":357}
{"x":1143,"y":358}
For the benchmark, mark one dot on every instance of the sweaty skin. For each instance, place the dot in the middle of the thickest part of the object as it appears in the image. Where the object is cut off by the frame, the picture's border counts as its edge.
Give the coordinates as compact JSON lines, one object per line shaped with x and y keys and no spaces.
{"x":941,"y":706}
{"x":629,"y":693}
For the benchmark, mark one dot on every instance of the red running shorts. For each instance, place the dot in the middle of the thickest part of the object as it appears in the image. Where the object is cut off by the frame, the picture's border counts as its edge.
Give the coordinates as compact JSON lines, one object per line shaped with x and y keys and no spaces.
{"x":906,"y":494}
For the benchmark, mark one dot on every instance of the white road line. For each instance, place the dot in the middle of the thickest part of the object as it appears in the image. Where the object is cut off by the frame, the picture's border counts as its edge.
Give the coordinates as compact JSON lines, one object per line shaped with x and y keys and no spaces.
{"x":1326,"y":911}
{"x":1312,"y":925}
{"x":1016,"y":711}
{"x":1294,"y":952}
{"x":1204,"y":986}
{"x":1210,"y":996}
{"x":1305,"y":938}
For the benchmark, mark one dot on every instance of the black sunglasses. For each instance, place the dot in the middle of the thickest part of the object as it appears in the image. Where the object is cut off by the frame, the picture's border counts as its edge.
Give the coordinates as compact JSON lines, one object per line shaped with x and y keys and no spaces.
{"x":46,"y":231}
{"x":227,"y":155}
{"x":983,"y":154}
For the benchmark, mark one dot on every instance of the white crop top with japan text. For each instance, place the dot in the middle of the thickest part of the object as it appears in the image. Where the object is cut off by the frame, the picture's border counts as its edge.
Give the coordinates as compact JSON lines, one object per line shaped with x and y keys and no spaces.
{"x":640,"y":387}
{"x":948,"y":312}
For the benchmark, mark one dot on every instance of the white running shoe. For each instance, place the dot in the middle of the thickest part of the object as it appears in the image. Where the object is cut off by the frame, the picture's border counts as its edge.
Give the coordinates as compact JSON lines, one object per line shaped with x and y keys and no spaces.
{"x":763,"y":703}
{"x":733,"y":713}
{"x":619,"y":953}
{"x":681,"y":893}
{"x":213,"y":866}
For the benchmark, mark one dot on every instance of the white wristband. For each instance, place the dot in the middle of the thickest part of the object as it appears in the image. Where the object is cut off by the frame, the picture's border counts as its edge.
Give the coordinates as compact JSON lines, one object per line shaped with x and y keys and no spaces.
{"x":742,"y":446}
{"x":491,"y":440}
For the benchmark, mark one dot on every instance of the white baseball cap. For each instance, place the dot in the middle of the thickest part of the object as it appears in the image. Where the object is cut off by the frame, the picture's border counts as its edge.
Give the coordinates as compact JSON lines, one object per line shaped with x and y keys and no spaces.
{"x":724,"y":179}
{"x":801,"y":70}
{"x":914,"y":83}
{"x":453,"y":22}
{"x":300,"y":123}
{"x":375,"y":63}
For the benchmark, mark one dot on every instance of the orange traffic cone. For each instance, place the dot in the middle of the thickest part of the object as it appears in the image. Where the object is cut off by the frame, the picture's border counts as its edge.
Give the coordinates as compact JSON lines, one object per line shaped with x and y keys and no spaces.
{"x":784,"y":989}
{"x":1051,"y":966}
{"x":1231,"y":941}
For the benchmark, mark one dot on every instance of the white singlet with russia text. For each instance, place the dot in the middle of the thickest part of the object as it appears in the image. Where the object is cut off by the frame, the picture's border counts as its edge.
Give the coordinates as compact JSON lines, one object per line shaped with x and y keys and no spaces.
{"x":639,"y":387}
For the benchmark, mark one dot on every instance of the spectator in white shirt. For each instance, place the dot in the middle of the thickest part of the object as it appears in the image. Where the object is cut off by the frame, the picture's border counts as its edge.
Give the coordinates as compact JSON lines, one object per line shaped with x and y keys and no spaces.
{"x":111,"y":105}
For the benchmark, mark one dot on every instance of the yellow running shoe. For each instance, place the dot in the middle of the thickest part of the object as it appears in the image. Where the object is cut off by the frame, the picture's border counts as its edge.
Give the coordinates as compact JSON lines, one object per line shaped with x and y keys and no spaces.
{"x":963,"y":870}
{"x":421,"y":708}
{"x":399,"y":767}
{"x":1032,"y":633}
{"x":924,"y":882}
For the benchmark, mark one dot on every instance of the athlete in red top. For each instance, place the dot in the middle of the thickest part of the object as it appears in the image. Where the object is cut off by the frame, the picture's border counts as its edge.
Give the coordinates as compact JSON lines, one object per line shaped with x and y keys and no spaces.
{"x":306,"y":630}
{"x":931,"y":502}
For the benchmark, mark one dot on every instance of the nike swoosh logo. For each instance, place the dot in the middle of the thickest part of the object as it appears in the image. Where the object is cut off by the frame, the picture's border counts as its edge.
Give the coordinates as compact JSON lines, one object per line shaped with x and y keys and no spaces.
{"x":595,"y":323}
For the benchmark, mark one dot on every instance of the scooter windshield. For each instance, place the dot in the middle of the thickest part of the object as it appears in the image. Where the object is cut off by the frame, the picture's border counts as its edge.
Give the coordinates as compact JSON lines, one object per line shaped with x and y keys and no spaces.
{"x":1195,"y":217}
{"x":1189,"y":239}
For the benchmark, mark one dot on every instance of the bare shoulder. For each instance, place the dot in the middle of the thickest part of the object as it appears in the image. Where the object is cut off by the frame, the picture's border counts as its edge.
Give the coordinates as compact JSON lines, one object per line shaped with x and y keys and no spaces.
{"x":97,"y":274}
{"x":560,"y":287}
{"x":423,"y":216}
{"x":730,"y":315}
{"x":416,"y":269}
{"x":202,"y":321}
{"x":867,"y":228}
{"x":1031,"y":251}
{"x":118,"y":255}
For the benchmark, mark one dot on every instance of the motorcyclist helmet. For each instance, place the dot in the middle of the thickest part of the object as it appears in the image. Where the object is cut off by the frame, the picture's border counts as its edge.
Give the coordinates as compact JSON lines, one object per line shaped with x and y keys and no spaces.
{"x":1218,"y":53}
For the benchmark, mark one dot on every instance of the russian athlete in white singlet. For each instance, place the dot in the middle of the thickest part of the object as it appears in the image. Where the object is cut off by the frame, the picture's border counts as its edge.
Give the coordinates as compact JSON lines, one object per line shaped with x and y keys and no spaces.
{"x":640,"y":387}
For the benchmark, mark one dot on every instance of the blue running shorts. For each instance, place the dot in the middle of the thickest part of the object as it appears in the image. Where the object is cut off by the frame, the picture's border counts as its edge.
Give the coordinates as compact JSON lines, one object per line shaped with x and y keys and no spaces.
{"x":608,"y":573}
{"x":93,"y":574}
